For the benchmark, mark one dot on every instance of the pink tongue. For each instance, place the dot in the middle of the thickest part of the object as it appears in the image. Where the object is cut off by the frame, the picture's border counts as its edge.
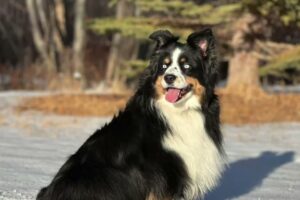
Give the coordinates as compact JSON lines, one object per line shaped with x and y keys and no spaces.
{"x":172,"y":95}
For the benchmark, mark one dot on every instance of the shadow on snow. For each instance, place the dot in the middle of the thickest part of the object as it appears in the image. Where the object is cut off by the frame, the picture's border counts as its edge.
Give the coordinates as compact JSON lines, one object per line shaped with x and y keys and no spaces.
{"x":243,"y":176}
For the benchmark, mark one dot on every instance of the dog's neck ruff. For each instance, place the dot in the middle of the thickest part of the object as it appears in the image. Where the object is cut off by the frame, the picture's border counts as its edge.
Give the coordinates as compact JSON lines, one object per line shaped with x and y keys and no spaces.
{"x":189,"y":140}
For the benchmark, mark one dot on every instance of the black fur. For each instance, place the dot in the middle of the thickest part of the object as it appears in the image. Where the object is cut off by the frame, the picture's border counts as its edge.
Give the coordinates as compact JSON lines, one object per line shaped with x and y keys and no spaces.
{"x":125,"y":159}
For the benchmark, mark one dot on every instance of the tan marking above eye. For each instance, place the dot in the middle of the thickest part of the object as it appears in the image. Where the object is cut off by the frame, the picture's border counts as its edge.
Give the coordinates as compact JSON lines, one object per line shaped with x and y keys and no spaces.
{"x":167,"y":61}
{"x":182,"y":60}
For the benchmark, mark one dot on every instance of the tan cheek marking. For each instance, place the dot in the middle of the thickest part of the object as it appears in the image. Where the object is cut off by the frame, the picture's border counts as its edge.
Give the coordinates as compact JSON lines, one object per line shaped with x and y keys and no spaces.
{"x":197,"y":87}
{"x":151,"y":196}
{"x":158,"y":87}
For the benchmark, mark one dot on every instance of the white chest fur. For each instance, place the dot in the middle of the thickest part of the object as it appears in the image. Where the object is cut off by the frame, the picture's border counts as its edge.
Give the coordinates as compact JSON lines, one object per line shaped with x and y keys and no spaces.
{"x":188,"y":138}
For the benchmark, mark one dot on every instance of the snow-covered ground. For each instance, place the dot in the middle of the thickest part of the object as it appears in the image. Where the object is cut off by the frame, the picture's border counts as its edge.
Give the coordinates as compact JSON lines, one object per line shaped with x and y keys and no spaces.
{"x":264,"y":160}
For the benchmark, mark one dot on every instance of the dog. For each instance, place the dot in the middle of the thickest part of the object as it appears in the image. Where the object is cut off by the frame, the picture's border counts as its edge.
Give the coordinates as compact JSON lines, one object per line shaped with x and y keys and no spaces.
{"x":166,"y":144}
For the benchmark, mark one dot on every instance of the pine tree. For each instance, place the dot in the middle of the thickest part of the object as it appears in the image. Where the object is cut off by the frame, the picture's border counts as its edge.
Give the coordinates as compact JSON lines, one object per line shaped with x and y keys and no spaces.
{"x":178,"y":16}
{"x":243,"y":29}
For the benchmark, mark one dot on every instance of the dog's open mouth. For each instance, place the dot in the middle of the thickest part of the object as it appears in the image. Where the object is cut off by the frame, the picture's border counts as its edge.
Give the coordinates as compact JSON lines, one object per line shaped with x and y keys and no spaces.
{"x":175,"y":94}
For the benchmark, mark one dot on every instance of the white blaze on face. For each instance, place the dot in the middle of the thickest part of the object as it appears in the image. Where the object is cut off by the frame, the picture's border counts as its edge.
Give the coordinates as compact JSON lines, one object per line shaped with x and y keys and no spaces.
{"x":174,"y":69}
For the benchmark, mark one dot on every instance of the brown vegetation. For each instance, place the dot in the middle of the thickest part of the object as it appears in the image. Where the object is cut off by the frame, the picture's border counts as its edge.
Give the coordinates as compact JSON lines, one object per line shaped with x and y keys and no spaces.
{"x":76,"y":104}
{"x":1,"y":120}
{"x":236,"y":109}
{"x":259,"y":107}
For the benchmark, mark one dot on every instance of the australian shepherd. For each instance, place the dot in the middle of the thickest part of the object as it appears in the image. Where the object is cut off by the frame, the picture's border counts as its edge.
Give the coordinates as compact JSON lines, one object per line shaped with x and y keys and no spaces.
{"x":166,"y":144}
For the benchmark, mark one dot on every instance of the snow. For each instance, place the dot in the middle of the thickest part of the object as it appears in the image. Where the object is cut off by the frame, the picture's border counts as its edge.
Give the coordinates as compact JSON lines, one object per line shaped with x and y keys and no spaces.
{"x":264,"y":160}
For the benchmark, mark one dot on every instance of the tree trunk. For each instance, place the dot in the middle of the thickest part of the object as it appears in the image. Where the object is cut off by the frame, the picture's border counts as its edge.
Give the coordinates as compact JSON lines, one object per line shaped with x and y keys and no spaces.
{"x":243,"y":70}
{"x":113,"y":59}
{"x":122,"y":48}
{"x":129,"y":50}
{"x":79,"y":42}
{"x":36,"y":34}
{"x":243,"y":74}
{"x":46,"y":32}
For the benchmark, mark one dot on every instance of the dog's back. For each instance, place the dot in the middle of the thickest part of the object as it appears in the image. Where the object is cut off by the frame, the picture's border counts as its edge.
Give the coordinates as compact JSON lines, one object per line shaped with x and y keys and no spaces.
{"x":102,"y":168}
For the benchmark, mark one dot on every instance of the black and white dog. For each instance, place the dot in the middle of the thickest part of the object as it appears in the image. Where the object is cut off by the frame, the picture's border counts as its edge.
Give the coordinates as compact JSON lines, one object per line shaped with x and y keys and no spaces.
{"x":166,"y":144}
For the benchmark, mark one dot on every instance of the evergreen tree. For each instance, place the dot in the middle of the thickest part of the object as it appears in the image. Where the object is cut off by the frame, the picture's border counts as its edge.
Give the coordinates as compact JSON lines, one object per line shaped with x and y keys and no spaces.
{"x":180,"y":17}
{"x":241,"y":26}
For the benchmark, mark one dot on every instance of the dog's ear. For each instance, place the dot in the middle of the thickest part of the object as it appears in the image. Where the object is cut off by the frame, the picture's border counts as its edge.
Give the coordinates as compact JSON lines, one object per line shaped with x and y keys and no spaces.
{"x":203,"y":40}
{"x":162,"y":38}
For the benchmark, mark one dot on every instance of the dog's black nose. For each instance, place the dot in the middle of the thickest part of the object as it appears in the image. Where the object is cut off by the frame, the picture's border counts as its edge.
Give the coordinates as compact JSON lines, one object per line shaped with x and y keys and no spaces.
{"x":170,"y":78}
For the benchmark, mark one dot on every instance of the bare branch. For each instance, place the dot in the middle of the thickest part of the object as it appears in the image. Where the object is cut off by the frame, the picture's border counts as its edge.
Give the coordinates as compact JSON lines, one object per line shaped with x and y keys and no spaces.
{"x":37,"y":37}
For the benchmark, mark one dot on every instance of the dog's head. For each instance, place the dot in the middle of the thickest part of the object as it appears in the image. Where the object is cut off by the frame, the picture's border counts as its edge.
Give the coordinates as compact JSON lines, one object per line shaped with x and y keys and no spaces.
{"x":182,"y":71}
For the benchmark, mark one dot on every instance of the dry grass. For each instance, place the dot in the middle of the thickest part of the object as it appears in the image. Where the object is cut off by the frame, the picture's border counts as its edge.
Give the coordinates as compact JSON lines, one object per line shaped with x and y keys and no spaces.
{"x":236,"y":109}
{"x":76,"y":104}
{"x":1,"y":120}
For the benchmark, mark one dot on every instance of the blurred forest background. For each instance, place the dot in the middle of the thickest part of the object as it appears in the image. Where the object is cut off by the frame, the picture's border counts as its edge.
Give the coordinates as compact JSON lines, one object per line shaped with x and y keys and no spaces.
{"x":103,"y":44}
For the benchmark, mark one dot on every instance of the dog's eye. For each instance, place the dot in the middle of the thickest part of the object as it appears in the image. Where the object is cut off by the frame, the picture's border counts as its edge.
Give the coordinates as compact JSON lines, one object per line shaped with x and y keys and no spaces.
{"x":186,"y":66}
{"x":164,"y":66}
